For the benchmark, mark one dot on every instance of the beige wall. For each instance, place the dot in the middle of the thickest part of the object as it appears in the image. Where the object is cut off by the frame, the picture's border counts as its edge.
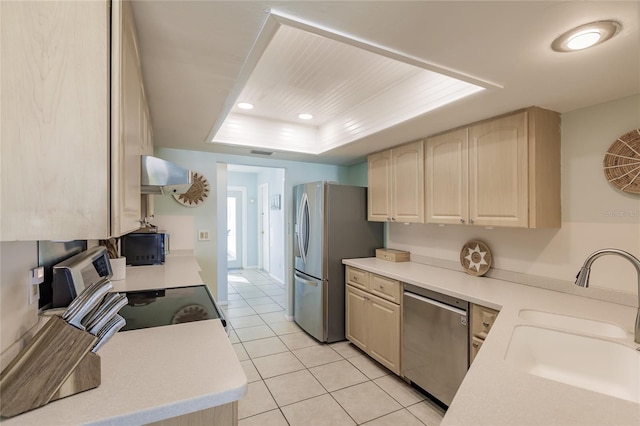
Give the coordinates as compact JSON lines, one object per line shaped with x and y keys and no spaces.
{"x":594,"y":214}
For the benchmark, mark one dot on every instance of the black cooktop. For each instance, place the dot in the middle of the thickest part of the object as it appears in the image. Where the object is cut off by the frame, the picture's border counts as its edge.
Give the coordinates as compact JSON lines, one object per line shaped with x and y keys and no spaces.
{"x":155,"y":308}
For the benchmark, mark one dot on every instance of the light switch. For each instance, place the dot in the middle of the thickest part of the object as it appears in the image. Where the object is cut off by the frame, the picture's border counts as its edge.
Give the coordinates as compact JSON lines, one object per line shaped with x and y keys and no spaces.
{"x":203,"y":235}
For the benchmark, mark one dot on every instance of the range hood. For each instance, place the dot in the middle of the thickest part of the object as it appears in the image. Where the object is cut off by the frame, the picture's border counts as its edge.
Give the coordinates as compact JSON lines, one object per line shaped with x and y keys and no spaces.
{"x":162,"y":177}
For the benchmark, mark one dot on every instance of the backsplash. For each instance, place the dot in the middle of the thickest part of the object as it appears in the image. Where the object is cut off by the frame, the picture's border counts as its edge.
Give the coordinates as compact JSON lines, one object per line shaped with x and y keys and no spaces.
{"x":17,"y":259}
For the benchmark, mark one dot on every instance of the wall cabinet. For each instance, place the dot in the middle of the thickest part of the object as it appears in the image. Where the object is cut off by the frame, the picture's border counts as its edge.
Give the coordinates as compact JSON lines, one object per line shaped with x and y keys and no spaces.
{"x":130,"y":124}
{"x":72,"y":132}
{"x":502,"y":172}
{"x":373,"y":316}
{"x":396,"y":184}
{"x":55,"y":120}
{"x":482,"y":319}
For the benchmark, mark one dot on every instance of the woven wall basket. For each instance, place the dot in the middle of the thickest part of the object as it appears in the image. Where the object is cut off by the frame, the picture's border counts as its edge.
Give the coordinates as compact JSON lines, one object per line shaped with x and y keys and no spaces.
{"x":622,"y":162}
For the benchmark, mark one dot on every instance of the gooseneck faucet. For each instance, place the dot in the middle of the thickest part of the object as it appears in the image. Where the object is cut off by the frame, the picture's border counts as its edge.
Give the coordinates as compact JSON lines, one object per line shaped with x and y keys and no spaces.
{"x":582,"y":279}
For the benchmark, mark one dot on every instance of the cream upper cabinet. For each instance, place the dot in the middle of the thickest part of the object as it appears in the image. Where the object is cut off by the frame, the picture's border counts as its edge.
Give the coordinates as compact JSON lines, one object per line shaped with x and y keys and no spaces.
{"x":379,"y":187}
{"x":498,"y":172}
{"x":72,"y":132}
{"x":54,"y":120}
{"x":396,"y":184}
{"x":446,"y":178}
{"x":501,"y":172}
{"x":130,"y":123}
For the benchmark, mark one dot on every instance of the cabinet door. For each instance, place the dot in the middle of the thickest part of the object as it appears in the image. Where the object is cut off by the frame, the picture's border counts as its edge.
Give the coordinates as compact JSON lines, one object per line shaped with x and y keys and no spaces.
{"x":54,"y":120}
{"x":356,"y":317}
{"x":379,"y":189}
{"x":498,"y":172}
{"x":384,"y":332}
{"x":407,"y":191}
{"x":128,"y":129}
{"x":446,"y":180}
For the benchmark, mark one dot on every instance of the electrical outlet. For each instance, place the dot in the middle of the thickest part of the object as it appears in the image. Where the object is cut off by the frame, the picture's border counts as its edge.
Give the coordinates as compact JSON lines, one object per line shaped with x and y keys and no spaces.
{"x":203,"y":235}
{"x":36,"y":276}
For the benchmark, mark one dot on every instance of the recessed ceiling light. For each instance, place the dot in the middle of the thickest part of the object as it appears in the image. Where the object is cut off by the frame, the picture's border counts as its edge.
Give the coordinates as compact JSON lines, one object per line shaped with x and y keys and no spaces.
{"x":245,"y":105}
{"x":585,"y":36}
{"x":305,"y":116}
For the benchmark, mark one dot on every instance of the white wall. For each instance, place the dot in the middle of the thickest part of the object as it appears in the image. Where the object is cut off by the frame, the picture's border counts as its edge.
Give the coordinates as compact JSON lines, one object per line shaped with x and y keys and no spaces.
{"x":16,"y":315}
{"x":275,"y":178}
{"x":594,"y":214}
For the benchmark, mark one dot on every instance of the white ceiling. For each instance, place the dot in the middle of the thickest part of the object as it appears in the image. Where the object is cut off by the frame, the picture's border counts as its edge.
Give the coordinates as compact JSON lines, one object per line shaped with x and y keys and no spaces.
{"x":196,"y":59}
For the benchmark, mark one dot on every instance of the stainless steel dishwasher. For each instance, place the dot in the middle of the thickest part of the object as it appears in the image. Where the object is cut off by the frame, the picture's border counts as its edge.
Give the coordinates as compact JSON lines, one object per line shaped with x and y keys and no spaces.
{"x":435,"y":341}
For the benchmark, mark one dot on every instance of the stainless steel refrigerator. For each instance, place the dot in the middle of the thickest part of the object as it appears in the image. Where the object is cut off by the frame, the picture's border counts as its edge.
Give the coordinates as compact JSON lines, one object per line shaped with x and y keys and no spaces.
{"x":330,"y":225}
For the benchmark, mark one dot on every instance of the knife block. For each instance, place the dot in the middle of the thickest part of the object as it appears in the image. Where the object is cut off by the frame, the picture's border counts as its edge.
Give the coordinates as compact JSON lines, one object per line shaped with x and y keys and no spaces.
{"x":57,"y":362}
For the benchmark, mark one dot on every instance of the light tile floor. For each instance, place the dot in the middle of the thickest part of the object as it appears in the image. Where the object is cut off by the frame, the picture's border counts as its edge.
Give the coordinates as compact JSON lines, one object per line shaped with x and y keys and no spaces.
{"x":295,"y":380}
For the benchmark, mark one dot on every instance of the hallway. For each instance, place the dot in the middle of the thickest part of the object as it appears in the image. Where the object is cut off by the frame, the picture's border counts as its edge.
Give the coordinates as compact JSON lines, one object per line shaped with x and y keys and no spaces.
{"x":294,"y":380}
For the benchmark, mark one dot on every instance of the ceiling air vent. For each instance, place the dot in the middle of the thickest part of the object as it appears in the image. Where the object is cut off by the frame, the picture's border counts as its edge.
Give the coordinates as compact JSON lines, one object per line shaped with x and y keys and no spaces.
{"x":255,"y":151}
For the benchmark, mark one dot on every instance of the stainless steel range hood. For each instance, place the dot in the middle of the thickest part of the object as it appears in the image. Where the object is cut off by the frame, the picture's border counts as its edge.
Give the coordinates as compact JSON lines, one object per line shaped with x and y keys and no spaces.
{"x":162,"y":177}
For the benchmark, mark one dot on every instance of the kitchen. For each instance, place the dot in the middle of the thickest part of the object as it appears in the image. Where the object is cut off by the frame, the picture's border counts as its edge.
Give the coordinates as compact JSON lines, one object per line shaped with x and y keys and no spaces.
{"x":598,"y":101}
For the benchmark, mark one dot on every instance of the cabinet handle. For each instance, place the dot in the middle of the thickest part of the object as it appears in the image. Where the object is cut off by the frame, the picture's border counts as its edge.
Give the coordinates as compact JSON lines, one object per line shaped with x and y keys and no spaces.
{"x":471,"y":221}
{"x":486,"y":324}
{"x":355,"y":279}
{"x":461,"y":220}
{"x":389,"y":219}
{"x":475,"y":345}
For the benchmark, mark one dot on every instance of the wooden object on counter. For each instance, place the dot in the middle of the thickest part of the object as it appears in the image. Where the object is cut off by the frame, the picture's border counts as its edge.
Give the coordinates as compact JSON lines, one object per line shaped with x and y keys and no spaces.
{"x":392,"y":255}
{"x":87,"y":375}
{"x":42,"y":368}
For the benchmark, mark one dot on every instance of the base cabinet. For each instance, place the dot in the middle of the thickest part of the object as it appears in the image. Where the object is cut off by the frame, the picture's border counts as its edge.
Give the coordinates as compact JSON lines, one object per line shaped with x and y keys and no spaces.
{"x":373,"y":322}
{"x":482,"y":319}
{"x":222,"y":415}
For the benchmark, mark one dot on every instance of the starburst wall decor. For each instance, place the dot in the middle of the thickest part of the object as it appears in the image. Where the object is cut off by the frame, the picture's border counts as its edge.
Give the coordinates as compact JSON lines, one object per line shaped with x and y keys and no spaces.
{"x":197,"y":193}
{"x":475,"y":258}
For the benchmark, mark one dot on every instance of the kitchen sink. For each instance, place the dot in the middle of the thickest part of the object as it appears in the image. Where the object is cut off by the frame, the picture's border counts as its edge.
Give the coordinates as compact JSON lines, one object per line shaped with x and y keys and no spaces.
{"x":599,"y":365}
{"x":566,"y":322}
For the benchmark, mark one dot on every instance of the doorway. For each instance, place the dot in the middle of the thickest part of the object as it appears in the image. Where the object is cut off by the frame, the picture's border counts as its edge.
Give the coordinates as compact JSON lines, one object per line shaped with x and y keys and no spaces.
{"x":236,"y":227}
{"x":263,"y":217}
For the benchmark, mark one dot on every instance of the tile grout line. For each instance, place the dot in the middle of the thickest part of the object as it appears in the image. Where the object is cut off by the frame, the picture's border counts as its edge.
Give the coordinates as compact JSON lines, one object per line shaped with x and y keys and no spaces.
{"x":308,"y":369}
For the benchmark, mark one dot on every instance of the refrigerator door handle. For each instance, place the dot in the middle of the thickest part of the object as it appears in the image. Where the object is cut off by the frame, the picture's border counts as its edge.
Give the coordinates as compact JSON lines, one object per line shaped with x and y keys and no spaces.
{"x":308,"y":282}
{"x":303,"y":227}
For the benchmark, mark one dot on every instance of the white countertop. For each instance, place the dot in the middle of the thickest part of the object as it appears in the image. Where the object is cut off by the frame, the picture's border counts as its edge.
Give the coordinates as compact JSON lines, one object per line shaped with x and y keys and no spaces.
{"x":177,"y":271}
{"x":154,"y":373}
{"x":497,"y":393}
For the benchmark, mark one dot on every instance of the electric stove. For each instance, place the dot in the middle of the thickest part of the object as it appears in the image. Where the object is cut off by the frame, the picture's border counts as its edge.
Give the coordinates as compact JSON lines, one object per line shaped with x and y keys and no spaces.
{"x":160,"y":307}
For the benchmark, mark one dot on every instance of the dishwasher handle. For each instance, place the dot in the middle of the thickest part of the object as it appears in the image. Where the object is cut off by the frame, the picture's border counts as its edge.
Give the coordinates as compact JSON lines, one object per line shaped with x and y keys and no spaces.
{"x":436,"y":303}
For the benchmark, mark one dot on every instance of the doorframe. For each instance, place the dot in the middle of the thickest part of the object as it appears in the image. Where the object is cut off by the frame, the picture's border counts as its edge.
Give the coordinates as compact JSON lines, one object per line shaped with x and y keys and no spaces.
{"x":243,"y":190}
{"x":263,"y":203}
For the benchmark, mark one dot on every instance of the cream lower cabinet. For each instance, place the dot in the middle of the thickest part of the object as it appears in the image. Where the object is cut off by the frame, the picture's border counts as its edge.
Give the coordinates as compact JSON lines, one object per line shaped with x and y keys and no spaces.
{"x":396,"y":184}
{"x":373,"y":322}
{"x":482,"y":319}
{"x":501,"y":172}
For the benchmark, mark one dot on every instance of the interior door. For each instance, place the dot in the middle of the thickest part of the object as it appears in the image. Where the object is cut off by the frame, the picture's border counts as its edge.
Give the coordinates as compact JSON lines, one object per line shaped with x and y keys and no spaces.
{"x":264,"y":220}
{"x":234,"y":229}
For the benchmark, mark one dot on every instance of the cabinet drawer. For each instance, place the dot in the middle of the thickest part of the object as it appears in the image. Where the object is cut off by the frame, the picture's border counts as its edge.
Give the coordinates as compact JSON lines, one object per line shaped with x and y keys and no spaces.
{"x":474,"y":348}
{"x":385,"y":287}
{"x":357,"y":278}
{"x":482,"y":319}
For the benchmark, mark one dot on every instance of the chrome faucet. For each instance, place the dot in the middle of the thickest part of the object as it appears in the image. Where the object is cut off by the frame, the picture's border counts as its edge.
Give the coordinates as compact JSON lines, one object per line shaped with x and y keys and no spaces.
{"x":582,"y":279}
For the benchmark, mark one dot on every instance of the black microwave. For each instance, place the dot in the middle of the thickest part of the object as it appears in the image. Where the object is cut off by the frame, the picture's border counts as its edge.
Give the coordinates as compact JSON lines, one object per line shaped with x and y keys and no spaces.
{"x":145,"y":248}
